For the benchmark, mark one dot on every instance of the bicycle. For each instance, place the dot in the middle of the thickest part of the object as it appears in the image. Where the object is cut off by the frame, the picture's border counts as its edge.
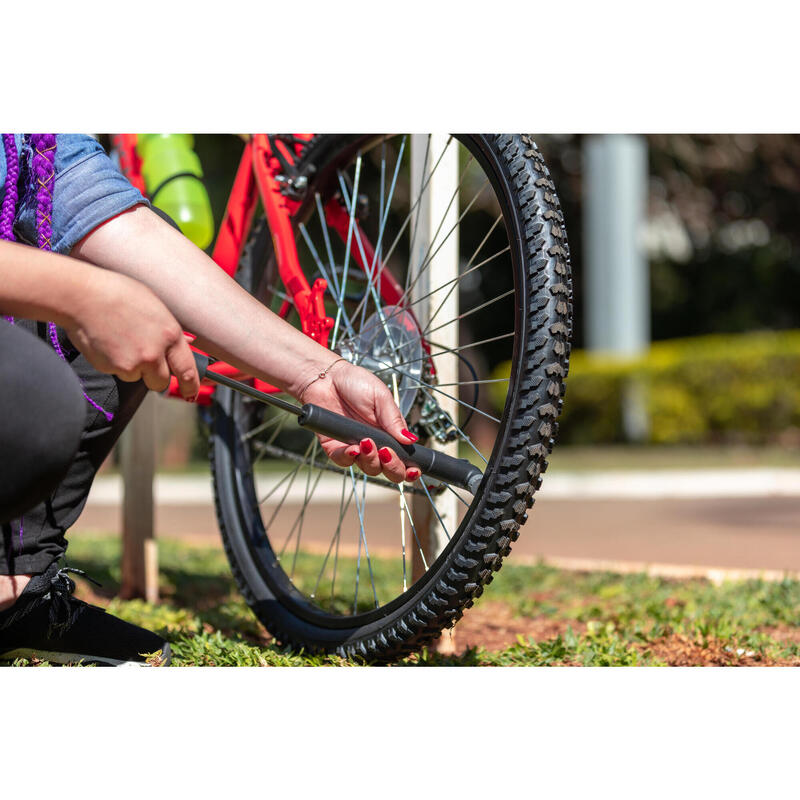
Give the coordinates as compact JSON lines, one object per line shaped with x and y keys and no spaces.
{"x":348,"y":247}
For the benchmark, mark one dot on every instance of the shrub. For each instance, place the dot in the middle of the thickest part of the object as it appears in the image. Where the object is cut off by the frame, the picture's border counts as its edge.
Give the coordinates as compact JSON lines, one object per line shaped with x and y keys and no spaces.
{"x":739,"y":387}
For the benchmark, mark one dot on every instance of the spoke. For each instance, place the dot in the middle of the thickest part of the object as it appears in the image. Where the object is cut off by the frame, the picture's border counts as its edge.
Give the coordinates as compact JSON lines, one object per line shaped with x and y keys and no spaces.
{"x":272,"y":438}
{"x":436,"y":510}
{"x":383,"y":204}
{"x":410,"y":267}
{"x":347,"y":249}
{"x":451,"y":489}
{"x":301,"y":516}
{"x":464,"y":436}
{"x":428,"y":260}
{"x":335,"y":538}
{"x":458,"y":278}
{"x":338,"y":539}
{"x":279,"y":484}
{"x":399,"y":235}
{"x":376,"y":262}
{"x":467,"y":313}
{"x":260,"y":428}
{"x":473,"y":383}
{"x":404,"y":505}
{"x":288,"y":488}
{"x":405,"y":508}
{"x":324,"y":225}
{"x":371,"y":284}
{"x":359,"y":508}
{"x":417,"y":201}
{"x":278,"y":293}
{"x":422,"y":384}
{"x":467,"y":269}
{"x":445,"y":350}
{"x":324,"y":273}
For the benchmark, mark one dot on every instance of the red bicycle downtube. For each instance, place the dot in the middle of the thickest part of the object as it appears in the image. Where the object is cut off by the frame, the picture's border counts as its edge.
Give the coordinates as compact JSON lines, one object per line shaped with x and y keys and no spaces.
{"x":457,"y":471}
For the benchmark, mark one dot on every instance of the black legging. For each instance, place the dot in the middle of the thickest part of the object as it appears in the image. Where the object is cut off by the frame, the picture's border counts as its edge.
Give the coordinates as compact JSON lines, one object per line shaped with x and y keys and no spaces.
{"x":52,"y":441}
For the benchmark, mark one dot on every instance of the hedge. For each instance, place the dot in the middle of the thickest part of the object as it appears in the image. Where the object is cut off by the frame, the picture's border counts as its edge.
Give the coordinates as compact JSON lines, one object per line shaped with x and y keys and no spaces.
{"x":739,"y":387}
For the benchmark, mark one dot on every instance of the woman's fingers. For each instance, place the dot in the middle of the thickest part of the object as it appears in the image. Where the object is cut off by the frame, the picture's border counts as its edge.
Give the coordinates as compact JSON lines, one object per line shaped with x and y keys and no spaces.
{"x":393,"y":468}
{"x":182,"y":365}
{"x":370,"y":459}
{"x":156,"y":376}
{"x":343,"y":455}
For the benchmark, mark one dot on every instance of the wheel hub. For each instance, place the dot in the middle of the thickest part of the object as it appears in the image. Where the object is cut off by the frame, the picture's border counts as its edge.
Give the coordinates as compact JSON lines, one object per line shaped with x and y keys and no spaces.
{"x":389,"y":344}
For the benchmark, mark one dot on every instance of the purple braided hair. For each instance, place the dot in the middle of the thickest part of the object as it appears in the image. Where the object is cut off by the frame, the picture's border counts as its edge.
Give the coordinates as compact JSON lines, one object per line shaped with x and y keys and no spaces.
{"x":10,"y":194}
{"x":44,"y":172}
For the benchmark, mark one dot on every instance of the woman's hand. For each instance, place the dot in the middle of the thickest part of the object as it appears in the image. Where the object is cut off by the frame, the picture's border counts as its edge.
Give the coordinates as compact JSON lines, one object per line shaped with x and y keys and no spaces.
{"x":117,"y":322}
{"x":357,"y":393}
{"x":122,"y":328}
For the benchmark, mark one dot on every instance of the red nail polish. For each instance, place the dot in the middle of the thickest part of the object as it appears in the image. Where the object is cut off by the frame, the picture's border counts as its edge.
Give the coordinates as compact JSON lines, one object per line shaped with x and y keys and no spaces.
{"x":366,"y":446}
{"x":409,"y":435}
{"x":413,"y":474}
{"x":385,"y":455}
{"x":354,"y":452}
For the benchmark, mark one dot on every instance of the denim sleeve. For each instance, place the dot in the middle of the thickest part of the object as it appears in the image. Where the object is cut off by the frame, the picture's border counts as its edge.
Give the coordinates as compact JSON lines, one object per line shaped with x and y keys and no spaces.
{"x":88,"y":191}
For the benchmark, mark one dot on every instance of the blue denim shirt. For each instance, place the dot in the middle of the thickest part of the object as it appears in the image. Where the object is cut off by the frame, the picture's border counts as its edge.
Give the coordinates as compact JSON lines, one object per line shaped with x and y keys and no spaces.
{"x":88,"y":190}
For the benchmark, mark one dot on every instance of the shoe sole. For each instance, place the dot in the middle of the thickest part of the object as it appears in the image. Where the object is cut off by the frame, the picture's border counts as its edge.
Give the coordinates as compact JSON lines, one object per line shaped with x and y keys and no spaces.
{"x":76,"y":658}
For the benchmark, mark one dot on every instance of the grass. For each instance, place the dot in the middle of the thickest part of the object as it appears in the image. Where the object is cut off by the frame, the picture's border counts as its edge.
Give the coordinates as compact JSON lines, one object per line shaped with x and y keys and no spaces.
{"x":590,"y":619}
{"x":576,"y":458}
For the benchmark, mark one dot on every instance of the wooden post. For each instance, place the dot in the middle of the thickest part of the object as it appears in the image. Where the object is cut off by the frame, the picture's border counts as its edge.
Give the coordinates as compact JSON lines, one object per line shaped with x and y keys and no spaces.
{"x":438,"y":218}
{"x":139,"y":549}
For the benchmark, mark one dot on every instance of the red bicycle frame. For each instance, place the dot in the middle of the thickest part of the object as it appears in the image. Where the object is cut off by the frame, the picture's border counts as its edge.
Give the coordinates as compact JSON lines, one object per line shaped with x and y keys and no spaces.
{"x":260,"y":174}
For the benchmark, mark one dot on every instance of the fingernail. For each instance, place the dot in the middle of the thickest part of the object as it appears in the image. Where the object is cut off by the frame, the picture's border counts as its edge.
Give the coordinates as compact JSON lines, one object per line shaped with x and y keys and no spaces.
{"x":354,"y":452}
{"x":385,"y":455}
{"x":366,"y":446}
{"x":413,"y":474}
{"x":409,"y":435}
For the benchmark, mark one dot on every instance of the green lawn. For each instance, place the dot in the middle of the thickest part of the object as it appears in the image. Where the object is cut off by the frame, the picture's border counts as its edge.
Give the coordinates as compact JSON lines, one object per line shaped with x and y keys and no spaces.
{"x":632,"y":457}
{"x":591,"y":619}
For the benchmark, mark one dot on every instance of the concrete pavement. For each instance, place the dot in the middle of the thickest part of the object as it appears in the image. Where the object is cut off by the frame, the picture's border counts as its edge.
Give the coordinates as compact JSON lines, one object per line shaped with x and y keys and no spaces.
{"x":745,"y":519}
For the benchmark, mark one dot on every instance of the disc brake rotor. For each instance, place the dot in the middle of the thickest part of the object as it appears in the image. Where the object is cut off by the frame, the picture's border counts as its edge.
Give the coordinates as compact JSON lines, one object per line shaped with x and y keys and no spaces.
{"x":389,"y":344}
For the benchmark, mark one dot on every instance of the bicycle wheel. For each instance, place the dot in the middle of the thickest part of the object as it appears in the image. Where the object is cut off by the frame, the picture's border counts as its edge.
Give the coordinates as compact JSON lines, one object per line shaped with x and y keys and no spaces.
{"x":432,"y":291}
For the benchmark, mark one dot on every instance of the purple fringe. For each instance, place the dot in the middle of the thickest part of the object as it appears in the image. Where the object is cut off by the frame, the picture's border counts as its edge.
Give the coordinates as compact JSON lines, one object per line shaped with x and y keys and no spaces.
{"x":10,"y":194}
{"x":44,"y":171}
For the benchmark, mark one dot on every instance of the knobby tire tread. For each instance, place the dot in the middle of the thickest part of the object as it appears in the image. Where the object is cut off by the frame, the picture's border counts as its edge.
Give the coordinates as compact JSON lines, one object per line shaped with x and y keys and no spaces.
{"x":480,"y":551}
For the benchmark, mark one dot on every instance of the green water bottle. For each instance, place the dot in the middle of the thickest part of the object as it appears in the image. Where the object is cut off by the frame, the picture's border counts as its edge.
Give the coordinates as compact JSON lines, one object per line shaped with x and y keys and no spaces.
{"x":173,"y":177}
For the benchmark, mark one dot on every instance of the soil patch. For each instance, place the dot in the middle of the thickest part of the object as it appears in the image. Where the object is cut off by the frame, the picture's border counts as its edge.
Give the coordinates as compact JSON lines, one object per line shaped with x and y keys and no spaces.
{"x":678,"y":650}
{"x":493,"y":626}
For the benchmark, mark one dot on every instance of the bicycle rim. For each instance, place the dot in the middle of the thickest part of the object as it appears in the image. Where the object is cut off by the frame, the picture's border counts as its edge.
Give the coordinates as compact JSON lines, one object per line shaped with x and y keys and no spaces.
{"x":342,"y":552}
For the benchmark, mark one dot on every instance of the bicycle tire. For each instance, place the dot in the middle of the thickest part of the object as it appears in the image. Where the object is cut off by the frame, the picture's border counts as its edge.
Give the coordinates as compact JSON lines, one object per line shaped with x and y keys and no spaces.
{"x":543,"y":298}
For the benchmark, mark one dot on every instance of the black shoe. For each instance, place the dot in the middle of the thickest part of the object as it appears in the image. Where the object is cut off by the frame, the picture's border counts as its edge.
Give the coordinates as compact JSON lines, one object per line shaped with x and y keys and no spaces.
{"x":48,"y":623}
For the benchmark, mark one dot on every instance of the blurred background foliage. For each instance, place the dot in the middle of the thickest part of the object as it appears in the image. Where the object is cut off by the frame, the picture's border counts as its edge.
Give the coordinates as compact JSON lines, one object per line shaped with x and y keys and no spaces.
{"x":723,"y":232}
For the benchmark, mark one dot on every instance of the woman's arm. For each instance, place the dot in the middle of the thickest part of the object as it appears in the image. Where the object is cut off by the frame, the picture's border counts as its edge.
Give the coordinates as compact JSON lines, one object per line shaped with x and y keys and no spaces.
{"x":117,"y":323}
{"x":232,"y":325}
